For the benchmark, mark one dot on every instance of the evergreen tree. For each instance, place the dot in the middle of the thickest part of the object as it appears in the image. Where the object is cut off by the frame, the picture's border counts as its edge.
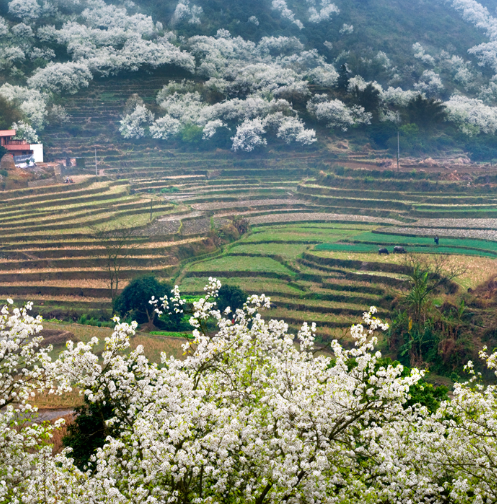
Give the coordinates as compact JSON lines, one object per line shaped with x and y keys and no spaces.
{"x":369,"y":98}
{"x":88,"y":431}
{"x":8,"y":114}
{"x":231,"y":296}
{"x":425,"y":112}
{"x":134,"y":302}
{"x":343,"y":78}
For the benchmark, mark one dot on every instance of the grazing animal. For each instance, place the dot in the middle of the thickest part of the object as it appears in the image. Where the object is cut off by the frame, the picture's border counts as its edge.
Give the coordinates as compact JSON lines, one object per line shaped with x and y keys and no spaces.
{"x":399,"y":250}
{"x":383,"y":251}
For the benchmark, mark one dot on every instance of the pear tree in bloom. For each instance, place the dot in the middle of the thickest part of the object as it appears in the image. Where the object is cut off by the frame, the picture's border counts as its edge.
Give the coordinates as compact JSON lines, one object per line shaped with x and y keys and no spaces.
{"x":429,"y":83}
{"x":31,"y":102}
{"x":25,"y":9}
{"x":29,"y":474}
{"x":286,"y":13}
{"x":336,"y":113}
{"x":134,"y":125}
{"x":61,"y":77}
{"x":26,"y":132}
{"x":472,"y":115}
{"x":251,"y":414}
{"x":322,"y":12}
{"x":246,"y":417}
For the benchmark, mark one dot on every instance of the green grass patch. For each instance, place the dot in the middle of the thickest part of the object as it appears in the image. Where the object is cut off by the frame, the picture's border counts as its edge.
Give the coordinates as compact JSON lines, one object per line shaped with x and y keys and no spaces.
{"x":383,"y":239}
{"x":285,"y":250}
{"x":301,"y":235}
{"x":317,"y":226}
{"x":355,"y":247}
{"x":254,"y":284}
{"x":240,"y":263}
{"x":171,"y":334}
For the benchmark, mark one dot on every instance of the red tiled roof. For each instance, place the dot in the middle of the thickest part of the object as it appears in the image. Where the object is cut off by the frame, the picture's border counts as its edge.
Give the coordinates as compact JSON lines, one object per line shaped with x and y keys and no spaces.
{"x":7,"y":133}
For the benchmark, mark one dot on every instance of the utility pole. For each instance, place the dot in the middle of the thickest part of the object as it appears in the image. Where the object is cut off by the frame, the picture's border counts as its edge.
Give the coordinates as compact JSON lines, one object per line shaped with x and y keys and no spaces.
{"x":96,"y":164}
{"x":398,"y":149}
{"x":151,"y":208}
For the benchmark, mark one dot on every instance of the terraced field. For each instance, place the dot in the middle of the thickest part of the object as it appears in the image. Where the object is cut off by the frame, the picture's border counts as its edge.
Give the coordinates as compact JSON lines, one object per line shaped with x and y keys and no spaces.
{"x":55,"y":246}
{"x":315,"y":227}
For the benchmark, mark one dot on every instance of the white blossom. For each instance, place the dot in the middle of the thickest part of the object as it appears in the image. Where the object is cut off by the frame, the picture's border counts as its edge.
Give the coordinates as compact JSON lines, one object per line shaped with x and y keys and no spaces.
{"x":211,"y":128}
{"x":4,"y":27}
{"x":429,"y":83}
{"x":25,"y":9}
{"x":31,"y":102}
{"x":14,"y":53}
{"x":25,"y":132}
{"x":165,"y":127}
{"x":282,"y":7}
{"x":336,"y":114}
{"x":22,"y":31}
{"x":133,"y":125}
{"x":58,"y":77}
{"x":473,"y":113}
{"x":249,"y":135}
{"x":419,"y":53}
{"x":323,"y":12}
{"x":185,"y":11}
{"x":346,"y":29}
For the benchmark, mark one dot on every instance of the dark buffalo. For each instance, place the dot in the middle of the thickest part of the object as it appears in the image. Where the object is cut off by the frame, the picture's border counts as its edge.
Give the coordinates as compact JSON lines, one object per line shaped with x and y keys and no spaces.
{"x":399,"y":250}
{"x":383,"y":251}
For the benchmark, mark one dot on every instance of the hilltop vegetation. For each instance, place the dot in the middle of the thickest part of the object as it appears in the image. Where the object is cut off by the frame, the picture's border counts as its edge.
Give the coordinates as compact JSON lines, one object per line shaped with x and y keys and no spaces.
{"x":279,"y":72}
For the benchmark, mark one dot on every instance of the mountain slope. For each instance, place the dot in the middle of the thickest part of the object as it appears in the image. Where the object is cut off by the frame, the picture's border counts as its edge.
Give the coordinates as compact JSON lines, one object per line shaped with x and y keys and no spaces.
{"x":283,"y":71}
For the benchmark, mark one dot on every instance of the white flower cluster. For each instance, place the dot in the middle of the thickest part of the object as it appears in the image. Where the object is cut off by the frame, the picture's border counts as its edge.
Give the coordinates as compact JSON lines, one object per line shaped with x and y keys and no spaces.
{"x":246,"y":416}
{"x":257,"y":80}
{"x":430,"y":83}
{"x":336,"y":114}
{"x":479,"y":15}
{"x":185,"y":11}
{"x":420,"y":53}
{"x":472,"y":115}
{"x":322,"y":12}
{"x":31,"y":102}
{"x":282,"y":7}
{"x":346,"y":29}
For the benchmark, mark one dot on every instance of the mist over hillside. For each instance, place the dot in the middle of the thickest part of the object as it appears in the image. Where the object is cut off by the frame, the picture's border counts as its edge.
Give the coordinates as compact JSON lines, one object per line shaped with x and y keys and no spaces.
{"x":240,"y":76}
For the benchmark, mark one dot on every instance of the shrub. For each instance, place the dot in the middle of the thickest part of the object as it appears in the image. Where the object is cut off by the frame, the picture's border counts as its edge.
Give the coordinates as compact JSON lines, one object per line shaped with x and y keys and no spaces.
{"x":192,"y":133}
{"x":134,"y":301}
{"x":169,"y":189}
{"x":232,"y":296}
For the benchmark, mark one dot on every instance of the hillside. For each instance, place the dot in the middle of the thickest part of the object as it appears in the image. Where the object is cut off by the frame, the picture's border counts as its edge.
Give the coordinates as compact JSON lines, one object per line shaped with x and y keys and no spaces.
{"x":276,"y":73}
{"x":288,"y":119}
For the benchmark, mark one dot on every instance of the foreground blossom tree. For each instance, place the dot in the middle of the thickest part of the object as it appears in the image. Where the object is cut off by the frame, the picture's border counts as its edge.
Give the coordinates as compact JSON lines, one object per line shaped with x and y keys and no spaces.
{"x":28,"y":471}
{"x":250,"y":415}
{"x":246,"y":417}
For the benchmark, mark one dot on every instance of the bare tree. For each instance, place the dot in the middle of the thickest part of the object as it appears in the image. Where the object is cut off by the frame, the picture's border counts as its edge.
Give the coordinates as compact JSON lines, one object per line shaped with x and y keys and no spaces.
{"x":118,"y":245}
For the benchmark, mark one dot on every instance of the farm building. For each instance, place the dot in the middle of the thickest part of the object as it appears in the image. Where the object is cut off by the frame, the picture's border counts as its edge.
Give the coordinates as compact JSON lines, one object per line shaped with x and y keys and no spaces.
{"x":20,"y":149}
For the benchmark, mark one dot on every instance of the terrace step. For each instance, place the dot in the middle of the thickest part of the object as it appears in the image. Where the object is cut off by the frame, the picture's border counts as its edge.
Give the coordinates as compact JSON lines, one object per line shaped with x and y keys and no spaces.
{"x":81,"y":274}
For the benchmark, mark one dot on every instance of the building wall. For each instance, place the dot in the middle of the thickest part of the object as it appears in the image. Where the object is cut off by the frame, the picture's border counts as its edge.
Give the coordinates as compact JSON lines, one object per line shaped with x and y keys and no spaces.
{"x":37,"y":152}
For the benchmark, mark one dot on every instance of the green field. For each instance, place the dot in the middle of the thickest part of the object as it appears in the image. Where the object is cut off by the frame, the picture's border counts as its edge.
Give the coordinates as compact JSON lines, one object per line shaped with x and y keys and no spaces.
{"x":242,"y":263}
{"x":369,"y":242}
{"x":346,"y":247}
{"x":285,"y":250}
